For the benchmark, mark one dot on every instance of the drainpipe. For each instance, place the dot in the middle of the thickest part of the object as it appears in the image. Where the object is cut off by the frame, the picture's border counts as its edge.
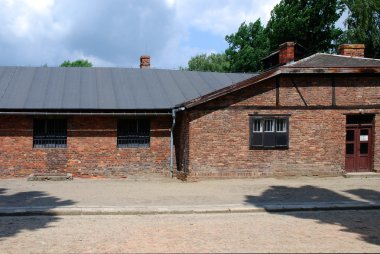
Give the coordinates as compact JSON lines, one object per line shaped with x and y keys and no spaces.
{"x":174,"y":112}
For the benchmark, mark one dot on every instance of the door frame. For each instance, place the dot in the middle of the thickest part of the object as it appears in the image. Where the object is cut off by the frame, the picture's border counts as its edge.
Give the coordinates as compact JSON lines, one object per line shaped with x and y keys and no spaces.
{"x":357,"y":127}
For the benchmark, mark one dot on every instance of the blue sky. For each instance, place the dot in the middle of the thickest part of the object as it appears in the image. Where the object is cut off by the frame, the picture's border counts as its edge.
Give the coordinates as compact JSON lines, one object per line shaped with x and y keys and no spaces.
{"x":117,"y":32}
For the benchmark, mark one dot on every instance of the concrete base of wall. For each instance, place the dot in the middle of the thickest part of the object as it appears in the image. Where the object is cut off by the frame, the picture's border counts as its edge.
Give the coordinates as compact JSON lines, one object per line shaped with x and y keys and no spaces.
{"x":50,"y":177}
{"x":362,"y":175}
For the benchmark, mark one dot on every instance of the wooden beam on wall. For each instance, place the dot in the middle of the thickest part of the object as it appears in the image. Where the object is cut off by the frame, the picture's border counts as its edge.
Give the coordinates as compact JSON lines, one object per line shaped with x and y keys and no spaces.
{"x":277,"y":91}
{"x":333,"y":94}
{"x":298,"y":91}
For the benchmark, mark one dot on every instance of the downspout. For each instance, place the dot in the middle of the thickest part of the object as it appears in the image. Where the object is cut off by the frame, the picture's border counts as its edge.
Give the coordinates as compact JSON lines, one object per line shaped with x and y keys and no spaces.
{"x":174,"y":112}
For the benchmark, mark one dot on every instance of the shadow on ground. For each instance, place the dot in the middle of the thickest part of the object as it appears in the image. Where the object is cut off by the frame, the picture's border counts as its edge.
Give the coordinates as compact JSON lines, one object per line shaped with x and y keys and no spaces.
{"x":365,"y":226}
{"x":10,"y":226}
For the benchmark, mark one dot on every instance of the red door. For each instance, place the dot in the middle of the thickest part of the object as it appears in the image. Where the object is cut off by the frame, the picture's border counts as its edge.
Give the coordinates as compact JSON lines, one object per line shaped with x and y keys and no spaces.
{"x":358,"y":149}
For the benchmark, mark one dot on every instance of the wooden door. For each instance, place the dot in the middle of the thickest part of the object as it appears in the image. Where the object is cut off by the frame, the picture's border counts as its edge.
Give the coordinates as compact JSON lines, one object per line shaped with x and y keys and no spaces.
{"x":358,"y":149}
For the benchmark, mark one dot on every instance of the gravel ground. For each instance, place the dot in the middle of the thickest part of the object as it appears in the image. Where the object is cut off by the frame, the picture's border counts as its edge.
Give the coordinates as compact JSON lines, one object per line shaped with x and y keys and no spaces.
{"x":333,"y":231}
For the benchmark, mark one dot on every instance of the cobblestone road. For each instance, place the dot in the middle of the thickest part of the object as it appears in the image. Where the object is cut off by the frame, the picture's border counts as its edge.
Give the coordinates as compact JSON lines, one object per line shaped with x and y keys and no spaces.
{"x":333,"y":231}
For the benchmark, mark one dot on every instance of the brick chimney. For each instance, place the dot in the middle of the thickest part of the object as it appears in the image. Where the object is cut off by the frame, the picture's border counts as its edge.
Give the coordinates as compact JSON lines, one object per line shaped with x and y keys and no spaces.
{"x":286,"y":54}
{"x":353,"y":50}
{"x":145,"y":62}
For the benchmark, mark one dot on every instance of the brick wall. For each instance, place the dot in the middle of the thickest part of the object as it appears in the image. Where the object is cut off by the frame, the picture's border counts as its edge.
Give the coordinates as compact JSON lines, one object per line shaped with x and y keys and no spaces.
{"x":91,"y":149}
{"x":219,"y":129}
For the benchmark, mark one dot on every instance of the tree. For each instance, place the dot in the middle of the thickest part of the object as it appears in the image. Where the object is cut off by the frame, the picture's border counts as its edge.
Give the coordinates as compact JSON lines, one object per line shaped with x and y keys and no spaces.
{"x":247,"y":47}
{"x":363,"y":25}
{"x":212,"y":62}
{"x":77,"y":63}
{"x":308,"y":22}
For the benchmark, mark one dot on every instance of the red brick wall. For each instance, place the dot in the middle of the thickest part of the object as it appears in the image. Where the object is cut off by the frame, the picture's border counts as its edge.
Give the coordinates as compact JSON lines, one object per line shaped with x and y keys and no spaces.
{"x":219,"y":129}
{"x":91,"y":149}
{"x":358,"y":91}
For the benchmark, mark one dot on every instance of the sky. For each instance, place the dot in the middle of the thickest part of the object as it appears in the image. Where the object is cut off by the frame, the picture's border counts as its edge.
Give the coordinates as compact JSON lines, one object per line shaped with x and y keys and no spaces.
{"x":117,"y":32}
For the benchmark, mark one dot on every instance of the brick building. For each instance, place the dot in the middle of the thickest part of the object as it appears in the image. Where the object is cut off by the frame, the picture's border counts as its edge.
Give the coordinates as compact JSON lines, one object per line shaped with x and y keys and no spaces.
{"x":315,"y":116}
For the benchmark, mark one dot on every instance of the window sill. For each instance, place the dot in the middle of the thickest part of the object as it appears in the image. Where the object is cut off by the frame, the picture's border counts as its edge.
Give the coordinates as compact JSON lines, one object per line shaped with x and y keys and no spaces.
{"x":50,"y":148}
{"x":268,"y":148}
{"x":123,"y":148}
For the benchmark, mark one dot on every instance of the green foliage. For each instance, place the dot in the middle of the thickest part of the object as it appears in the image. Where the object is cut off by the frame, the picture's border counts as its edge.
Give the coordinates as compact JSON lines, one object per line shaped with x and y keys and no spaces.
{"x":212,"y":62}
{"x":363,"y":25}
{"x":77,"y":63}
{"x":308,"y":22}
{"x":247,"y":47}
{"x":311,"y":23}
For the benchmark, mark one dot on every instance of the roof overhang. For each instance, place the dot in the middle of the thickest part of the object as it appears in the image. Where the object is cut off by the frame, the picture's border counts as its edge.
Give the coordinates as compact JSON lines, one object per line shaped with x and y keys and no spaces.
{"x":75,"y":112}
{"x":330,"y":70}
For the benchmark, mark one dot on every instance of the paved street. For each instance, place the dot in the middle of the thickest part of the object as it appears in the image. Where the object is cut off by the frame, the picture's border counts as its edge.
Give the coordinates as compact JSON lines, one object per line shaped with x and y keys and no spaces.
{"x":210,"y":231}
{"x":333,"y":231}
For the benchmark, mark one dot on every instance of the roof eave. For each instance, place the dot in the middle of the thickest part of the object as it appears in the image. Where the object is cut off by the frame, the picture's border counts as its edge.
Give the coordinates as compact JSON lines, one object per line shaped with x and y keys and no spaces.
{"x":330,"y":70}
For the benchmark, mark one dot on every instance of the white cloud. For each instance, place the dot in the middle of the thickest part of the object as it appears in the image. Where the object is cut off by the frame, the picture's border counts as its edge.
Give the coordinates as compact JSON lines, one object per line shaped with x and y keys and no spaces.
{"x":40,"y":6}
{"x":117,"y":32}
{"x":222,"y":17}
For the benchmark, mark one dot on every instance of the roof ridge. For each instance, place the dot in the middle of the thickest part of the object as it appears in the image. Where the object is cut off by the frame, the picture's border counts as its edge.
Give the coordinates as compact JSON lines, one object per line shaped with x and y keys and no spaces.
{"x":351,"y":57}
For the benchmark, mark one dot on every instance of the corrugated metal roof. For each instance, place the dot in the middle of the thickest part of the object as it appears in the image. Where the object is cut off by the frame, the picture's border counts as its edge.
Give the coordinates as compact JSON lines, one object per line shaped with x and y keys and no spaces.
{"x":55,"y":88}
{"x":322,"y":60}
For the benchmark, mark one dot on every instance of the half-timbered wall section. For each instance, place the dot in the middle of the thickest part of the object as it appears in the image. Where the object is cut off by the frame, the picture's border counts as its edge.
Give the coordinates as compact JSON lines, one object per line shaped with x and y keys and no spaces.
{"x":316,"y":107}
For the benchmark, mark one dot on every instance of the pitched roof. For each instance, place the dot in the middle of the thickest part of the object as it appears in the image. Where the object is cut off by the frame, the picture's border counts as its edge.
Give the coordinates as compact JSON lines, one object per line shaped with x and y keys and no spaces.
{"x":54,"y":88}
{"x":322,"y":60}
{"x":319,"y":63}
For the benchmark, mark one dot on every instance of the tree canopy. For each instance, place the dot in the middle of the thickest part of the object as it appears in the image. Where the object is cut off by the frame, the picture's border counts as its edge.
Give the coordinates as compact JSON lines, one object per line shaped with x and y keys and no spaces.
{"x":363,"y":25}
{"x":247,"y":47}
{"x":77,"y":63}
{"x":212,"y":62}
{"x":311,"y":23}
{"x":308,"y":22}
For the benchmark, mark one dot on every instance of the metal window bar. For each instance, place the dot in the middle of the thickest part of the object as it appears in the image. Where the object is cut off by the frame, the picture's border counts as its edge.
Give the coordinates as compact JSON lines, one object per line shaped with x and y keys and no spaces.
{"x":133,"y":133}
{"x":50,"y":133}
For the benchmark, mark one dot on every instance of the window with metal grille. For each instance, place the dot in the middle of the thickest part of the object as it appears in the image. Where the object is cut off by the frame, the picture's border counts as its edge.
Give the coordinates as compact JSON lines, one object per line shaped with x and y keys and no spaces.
{"x":133,"y":133}
{"x":269,"y":132}
{"x":50,"y":133}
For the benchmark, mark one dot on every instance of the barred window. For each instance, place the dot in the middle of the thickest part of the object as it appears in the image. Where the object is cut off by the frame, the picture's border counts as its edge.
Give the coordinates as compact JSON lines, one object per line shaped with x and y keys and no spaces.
{"x":269,"y":132}
{"x":257,"y":125}
{"x":50,"y":133}
{"x":133,"y":133}
{"x":269,"y":125}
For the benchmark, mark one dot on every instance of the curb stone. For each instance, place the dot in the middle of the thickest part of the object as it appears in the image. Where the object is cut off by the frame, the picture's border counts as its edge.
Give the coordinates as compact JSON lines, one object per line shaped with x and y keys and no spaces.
{"x":266,"y":208}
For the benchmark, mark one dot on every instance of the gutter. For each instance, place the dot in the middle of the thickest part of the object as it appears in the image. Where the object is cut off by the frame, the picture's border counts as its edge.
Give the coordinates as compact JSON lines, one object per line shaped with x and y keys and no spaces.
{"x":174,"y":112}
{"x":40,"y":113}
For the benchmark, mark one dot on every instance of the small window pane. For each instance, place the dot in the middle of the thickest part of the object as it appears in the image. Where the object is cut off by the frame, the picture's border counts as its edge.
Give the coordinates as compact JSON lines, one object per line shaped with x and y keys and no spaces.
{"x":363,"y":135}
{"x":363,"y":148}
{"x":281,"y":139}
{"x":257,"y":139}
{"x":269,"y":139}
{"x":363,"y":132}
{"x":350,"y":135}
{"x":349,"y":148}
{"x":280,"y":125}
{"x":257,"y":125}
{"x":269,"y":125}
